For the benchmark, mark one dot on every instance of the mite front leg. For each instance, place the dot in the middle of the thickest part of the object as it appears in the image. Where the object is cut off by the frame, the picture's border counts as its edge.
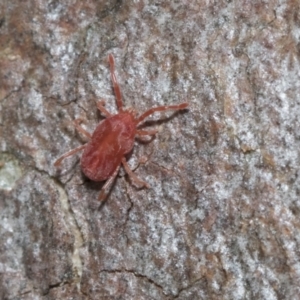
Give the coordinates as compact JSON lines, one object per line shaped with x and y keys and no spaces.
{"x":100,"y":106}
{"x":160,"y":108}
{"x":115,"y":83}
{"x":107,"y":186}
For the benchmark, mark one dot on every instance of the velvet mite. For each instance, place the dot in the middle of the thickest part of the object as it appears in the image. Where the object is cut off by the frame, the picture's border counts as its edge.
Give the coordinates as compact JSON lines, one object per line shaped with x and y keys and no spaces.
{"x":112,"y":139}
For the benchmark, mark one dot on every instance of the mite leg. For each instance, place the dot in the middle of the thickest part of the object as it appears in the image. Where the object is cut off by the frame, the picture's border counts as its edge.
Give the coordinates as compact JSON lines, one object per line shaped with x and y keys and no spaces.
{"x":114,"y":81}
{"x":100,"y":106}
{"x":146,"y":132}
{"x":80,"y":129}
{"x":160,"y":108}
{"x":132,"y":176}
{"x":107,"y":186}
{"x":142,"y":133}
{"x":69,"y":153}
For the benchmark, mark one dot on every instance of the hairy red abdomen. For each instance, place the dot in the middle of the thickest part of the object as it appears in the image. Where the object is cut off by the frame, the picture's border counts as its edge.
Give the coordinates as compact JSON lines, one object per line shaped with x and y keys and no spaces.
{"x":112,"y":139}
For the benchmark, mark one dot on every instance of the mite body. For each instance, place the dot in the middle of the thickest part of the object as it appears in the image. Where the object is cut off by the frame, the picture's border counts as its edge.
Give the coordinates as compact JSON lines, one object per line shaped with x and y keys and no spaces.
{"x":112,"y":139}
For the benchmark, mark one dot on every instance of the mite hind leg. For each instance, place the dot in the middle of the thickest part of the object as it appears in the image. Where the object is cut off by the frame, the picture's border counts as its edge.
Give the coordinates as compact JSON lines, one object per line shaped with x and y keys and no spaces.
{"x":146,"y":136}
{"x":107,"y":186}
{"x":146,"y":132}
{"x":67,"y":154}
{"x":80,"y":129}
{"x":133,"y":177}
{"x":73,"y":151}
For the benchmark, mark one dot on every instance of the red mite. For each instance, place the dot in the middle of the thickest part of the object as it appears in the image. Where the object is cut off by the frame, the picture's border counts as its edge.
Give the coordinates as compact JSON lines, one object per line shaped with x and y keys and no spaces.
{"x":112,"y":139}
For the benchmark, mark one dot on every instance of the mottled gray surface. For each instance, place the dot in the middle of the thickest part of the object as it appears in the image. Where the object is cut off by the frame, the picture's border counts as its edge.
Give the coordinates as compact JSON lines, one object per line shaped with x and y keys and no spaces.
{"x":221,"y":219}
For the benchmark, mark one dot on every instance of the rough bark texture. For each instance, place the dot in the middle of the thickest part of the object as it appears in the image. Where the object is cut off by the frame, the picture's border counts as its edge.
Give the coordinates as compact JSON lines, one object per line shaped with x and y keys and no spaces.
{"x":221,"y":219}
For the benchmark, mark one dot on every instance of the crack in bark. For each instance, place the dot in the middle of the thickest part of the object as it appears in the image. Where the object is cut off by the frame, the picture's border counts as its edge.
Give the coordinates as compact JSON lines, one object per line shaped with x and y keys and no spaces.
{"x":138,"y":275}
